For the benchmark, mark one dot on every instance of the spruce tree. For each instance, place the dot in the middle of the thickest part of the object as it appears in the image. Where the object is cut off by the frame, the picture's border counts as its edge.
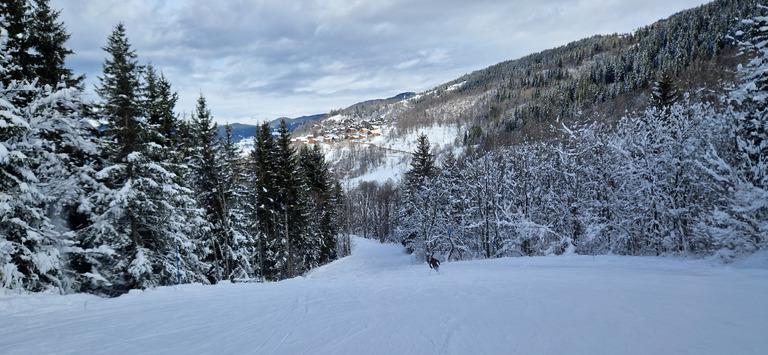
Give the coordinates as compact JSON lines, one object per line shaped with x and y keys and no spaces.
{"x":322,"y":203}
{"x":159,"y":102}
{"x":238,"y":227}
{"x":16,"y":21}
{"x":206,"y":165}
{"x":421,"y":209}
{"x":120,"y":88}
{"x":48,"y":37}
{"x":141,"y":215}
{"x":298,"y":254}
{"x":751,"y":106}
{"x":422,"y":163}
{"x":204,"y":160}
{"x":48,"y":147}
{"x":665,"y":93}
{"x":36,"y":44}
{"x":264,"y":190}
{"x":29,"y":246}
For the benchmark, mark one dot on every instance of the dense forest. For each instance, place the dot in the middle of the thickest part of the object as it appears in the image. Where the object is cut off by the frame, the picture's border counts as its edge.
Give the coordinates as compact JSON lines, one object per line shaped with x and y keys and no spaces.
{"x":119,"y":194}
{"x":650,"y":143}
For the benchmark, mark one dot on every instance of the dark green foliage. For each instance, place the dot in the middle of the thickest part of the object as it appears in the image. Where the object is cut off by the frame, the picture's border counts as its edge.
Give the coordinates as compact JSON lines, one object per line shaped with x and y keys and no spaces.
{"x":264,"y":197}
{"x":36,"y":45}
{"x":140,"y":212}
{"x":291,"y":202}
{"x":120,"y":88}
{"x":322,"y":201}
{"x":204,"y":161}
{"x":665,"y":92}
{"x":47,"y":38}
{"x":159,"y":102}
{"x":422,"y":163}
{"x":295,"y":204}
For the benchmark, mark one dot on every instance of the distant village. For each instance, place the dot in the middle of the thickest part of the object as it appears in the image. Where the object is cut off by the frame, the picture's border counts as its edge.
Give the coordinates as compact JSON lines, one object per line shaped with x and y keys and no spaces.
{"x":338,"y":128}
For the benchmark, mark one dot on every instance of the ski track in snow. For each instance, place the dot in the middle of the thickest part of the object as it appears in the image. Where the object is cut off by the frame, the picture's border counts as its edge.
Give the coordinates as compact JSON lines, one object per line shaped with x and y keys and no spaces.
{"x":380,"y":301}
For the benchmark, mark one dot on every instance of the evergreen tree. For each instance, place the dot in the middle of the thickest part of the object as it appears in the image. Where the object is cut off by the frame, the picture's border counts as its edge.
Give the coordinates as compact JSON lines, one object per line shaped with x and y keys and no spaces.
{"x":54,"y":144}
{"x":36,"y":45}
{"x":204,"y":160}
{"x":264,"y":192}
{"x":120,"y":88}
{"x":241,"y":244}
{"x":322,"y":203}
{"x":141,"y":214}
{"x":47,"y":38}
{"x":29,"y":246}
{"x":422,"y":163}
{"x":208,"y":171}
{"x":743,"y":229}
{"x":299,"y":255}
{"x":665,"y":92}
{"x":424,"y":210}
{"x":751,"y":106}
{"x":16,"y":21}
{"x":159,"y":103}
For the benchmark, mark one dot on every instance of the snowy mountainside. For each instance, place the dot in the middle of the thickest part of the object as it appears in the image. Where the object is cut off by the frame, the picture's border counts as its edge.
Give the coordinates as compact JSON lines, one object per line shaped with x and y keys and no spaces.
{"x":374,"y":140}
{"x":380,"y":301}
{"x":598,"y":79}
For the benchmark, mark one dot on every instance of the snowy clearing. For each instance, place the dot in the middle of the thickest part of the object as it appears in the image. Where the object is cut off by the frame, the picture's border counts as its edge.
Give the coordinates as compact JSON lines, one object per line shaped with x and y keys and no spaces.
{"x":378,"y":302}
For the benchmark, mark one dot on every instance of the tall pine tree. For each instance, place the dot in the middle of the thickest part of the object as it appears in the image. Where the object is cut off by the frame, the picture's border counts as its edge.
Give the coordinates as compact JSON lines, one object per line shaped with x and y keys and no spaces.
{"x":298,"y":254}
{"x":322,"y":204}
{"x":141,"y":215}
{"x":264,"y":190}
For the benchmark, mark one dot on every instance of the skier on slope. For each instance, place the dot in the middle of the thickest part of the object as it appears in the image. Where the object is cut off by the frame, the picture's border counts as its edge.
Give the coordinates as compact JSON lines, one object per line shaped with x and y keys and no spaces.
{"x":433,"y":263}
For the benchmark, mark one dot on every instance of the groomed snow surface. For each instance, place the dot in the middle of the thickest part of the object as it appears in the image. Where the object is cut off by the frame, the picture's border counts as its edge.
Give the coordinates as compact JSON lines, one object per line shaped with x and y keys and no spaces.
{"x":379,"y":301}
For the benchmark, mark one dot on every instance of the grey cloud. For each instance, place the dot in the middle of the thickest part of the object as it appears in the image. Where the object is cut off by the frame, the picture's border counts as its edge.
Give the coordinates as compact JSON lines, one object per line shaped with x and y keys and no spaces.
{"x":284,"y":55}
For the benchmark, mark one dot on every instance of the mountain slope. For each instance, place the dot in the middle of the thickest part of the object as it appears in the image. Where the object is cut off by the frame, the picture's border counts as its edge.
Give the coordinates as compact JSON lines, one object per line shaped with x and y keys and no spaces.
{"x":377,"y":301}
{"x":600,"y":78}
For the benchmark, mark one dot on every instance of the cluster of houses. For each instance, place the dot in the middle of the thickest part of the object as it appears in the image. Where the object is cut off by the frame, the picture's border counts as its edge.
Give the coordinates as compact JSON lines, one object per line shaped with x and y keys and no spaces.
{"x":335,"y":130}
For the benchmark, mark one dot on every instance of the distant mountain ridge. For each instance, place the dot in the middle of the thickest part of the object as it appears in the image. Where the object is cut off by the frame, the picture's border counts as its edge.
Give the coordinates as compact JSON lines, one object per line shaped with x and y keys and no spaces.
{"x":400,"y":96}
{"x":242,"y":131}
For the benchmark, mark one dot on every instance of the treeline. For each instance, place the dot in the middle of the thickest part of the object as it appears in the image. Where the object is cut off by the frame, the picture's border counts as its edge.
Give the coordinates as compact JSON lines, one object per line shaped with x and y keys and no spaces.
{"x":680,"y":178}
{"x":108,"y":196}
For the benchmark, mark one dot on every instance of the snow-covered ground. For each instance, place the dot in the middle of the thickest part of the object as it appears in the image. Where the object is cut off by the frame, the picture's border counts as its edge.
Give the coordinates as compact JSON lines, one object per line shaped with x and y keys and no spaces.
{"x":378,"y":301}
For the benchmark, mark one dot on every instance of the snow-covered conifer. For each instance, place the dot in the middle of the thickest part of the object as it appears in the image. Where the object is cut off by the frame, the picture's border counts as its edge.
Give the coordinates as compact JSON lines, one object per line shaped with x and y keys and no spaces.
{"x":30,"y":256}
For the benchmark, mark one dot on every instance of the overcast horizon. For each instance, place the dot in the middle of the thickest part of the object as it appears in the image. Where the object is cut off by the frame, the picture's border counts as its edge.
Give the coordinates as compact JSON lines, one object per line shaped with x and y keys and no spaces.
{"x":256,"y":60}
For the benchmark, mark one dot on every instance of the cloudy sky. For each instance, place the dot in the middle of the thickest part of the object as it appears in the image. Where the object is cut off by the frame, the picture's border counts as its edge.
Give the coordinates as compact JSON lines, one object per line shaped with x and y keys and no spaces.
{"x":262,"y":59}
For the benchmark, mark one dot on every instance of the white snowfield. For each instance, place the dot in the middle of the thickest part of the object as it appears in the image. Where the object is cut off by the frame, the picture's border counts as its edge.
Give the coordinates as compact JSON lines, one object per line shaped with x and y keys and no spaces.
{"x":378,"y":302}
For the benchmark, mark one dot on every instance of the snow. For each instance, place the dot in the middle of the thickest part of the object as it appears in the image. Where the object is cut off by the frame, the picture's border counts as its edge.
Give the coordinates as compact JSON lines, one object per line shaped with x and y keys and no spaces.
{"x":380,"y":301}
{"x":3,"y":153}
{"x":456,"y":86}
{"x":393,"y":170}
{"x":399,"y":151}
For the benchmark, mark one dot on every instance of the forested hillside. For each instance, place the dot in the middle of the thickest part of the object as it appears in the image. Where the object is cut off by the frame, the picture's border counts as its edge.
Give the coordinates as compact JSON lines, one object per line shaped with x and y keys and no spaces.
{"x":649,"y":143}
{"x":150,"y":198}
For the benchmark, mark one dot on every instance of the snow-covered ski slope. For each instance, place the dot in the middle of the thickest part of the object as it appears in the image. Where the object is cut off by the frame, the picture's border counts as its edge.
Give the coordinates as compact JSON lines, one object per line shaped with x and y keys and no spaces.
{"x":378,"y":301}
